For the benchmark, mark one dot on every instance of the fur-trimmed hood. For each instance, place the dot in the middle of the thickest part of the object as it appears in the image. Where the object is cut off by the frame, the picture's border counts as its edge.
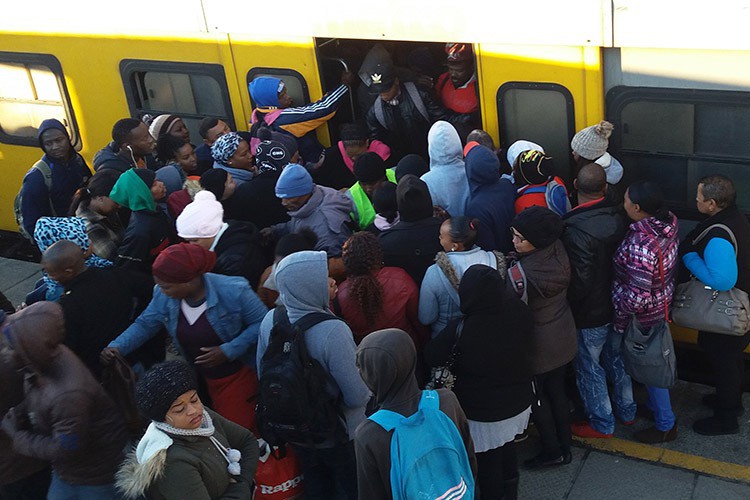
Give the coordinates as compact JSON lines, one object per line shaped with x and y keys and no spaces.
{"x":144,"y":464}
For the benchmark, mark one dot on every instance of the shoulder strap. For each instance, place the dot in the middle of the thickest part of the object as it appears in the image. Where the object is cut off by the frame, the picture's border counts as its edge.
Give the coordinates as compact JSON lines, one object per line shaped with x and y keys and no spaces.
{"x":411,"y":89}
{"x":379,"y":113}
{"x":430,"y":400}
{"x":720,"y":226}
{"x":387,"y":419}
{"x":309,"y":320}
{"x":46,"y":172}
{"x":518,"y":280}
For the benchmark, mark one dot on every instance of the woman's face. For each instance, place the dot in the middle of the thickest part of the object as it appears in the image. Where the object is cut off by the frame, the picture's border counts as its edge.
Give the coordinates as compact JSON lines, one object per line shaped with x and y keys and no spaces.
{"x":242,"y":158}
{"x":180,"y":131}
{"x":520,"y":243}
{"x":186,"y":158}
{"x":103,"y":205}
{"x":180,"y":291}
{"x":632,"y":209}
{"x":186,"y":411}
{"x":445,"y":238}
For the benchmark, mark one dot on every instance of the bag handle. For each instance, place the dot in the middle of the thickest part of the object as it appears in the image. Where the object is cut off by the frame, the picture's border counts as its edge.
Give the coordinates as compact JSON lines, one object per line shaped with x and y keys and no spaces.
{"x":661,"y":274}
{"x":720,"y":226}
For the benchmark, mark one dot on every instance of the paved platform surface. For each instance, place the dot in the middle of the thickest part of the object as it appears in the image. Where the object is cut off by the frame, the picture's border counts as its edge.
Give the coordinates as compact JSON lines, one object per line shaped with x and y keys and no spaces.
{"x":693,"y":467}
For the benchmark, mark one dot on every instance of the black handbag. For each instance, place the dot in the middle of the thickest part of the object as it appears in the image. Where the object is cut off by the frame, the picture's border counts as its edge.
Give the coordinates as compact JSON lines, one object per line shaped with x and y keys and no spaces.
{"x":442,"y":377}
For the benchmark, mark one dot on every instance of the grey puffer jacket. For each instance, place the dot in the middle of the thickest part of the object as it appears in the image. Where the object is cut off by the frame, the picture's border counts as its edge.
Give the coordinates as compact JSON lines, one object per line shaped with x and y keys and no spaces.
{"x":554,"y":340}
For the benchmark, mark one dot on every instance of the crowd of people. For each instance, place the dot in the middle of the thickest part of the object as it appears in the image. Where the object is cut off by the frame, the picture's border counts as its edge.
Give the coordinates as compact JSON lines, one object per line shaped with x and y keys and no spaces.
{"x":415,"y":269}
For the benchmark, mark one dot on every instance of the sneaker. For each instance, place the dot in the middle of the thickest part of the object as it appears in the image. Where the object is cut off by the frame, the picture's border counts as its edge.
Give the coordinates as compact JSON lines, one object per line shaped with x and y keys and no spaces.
{"x":628,"y":423}
{"x":540,"y":462}
{"x":715,"y":426}
{"x":652,"y":435}
{"x":520,"y":438}
{"x":712,"y":401}
{"x":587,"y":431}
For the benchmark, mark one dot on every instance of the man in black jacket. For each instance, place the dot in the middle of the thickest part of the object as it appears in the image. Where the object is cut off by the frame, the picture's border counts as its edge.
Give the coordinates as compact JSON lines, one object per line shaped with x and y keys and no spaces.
{"x":593,"y":230}
{"x":131,"y":147}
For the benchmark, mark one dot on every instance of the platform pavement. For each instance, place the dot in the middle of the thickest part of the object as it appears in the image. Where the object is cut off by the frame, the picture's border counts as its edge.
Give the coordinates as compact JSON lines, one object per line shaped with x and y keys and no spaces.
{"x":692,"y":468}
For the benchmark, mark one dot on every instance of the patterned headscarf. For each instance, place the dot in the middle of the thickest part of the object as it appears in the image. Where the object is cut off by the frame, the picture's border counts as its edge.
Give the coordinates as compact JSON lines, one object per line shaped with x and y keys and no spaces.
{"x":50,"y":230}
{"x":225,"y":146}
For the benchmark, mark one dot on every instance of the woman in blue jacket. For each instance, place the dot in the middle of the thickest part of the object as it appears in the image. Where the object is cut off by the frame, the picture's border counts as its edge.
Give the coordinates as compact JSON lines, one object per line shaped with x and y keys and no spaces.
{"x":212,"y":319}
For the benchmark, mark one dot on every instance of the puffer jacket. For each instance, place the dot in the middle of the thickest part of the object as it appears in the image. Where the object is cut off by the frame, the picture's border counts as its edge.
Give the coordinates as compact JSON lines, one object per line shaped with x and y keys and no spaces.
{"x":554,"y":340}
{"x":75,"y":425}
{"x":592,"y":235}
{"x":238,"y":252}
{"x":638,"y":288}
{"x":326,"y":214}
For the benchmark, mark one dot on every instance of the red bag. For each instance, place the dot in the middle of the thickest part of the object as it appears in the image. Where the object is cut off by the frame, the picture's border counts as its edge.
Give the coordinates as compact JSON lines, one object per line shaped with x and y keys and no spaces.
{"x":277,"y":478}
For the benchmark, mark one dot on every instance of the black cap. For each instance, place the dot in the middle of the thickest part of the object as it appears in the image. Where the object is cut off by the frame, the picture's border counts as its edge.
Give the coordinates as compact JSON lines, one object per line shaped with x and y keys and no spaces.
{"x":369,"y":167}
{"x":380,"y":79}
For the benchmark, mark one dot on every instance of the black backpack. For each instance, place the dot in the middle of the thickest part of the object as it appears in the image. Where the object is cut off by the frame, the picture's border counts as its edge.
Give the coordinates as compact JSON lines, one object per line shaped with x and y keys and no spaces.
{"x":293,"y":405}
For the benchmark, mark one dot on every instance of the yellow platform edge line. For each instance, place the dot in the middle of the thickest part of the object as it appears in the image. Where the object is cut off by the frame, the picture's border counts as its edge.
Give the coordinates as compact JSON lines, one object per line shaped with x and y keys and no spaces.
{"x":672,"y":458}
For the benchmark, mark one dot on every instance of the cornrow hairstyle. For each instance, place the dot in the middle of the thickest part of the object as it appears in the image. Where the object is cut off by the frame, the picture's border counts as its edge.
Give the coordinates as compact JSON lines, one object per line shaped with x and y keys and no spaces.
{"x":362,"y":255}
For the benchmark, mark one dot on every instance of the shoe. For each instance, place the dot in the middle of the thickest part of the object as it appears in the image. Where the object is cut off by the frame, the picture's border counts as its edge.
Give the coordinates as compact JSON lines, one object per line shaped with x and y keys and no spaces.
{"x":587,"y":431}
{"x":539,"y":462}
{"x":716,"y":426}
{"x":712,"y":401}
{"x":510,"y":489}
{"x":652,"y":435}
{"x":644,"y":412}
{"x":628,"y":423}
{"x":520,"y":438}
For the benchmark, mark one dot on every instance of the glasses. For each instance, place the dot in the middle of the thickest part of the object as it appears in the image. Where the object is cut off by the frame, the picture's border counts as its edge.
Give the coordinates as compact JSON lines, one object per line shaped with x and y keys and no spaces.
{"x":517,"y":236}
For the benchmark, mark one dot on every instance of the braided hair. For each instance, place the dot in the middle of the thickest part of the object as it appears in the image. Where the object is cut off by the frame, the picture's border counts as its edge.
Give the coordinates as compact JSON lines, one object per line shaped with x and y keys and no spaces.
{"x":362,"y":255}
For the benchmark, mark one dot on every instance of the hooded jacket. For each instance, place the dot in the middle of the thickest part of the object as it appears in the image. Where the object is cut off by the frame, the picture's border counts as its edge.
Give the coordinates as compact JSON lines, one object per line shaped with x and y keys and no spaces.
{"x":412,"y":243}
{"x":255,"y":201}
{"x":638,"y":288}
{"x":491,"y":200}
{"x":190,"y":466}
{"x":591,"y":237}
{"x":446,"y":180}
{"x":302,"y":280}
{"x":66,"y":418}
{"x":238,"y":252}
{"x":553,"y":340}
{"x":493,"y":369}
{"x":326,"y":214}
{"x":386,"y":360}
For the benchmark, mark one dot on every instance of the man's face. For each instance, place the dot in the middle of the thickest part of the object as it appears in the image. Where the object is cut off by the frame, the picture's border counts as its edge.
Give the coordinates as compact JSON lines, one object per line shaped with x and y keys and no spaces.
{"x":460,"y":72}
{"x":285,"y":99}
{"x":294,"y":204}
{"x":180,"y":131}
{"x":56,"y":144}
{"x":141,"y":141}
{"x":370,"y":187}
{"x":221,"y":128}
{"x":391,"y":93}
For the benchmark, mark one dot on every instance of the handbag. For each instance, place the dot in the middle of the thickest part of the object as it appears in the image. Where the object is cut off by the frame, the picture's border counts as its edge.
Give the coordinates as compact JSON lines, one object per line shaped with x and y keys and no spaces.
{"x":648,"y":353}
{"x":698,"y":306}
{"x":442,"y":377}
{"x":278,"y":476}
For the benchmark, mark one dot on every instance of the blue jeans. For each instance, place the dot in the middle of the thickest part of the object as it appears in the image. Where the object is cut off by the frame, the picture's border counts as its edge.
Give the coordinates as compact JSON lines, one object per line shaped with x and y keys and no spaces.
{"x":60,"y":490}
{"x":599,"y":358}
{"x":659,"y":403}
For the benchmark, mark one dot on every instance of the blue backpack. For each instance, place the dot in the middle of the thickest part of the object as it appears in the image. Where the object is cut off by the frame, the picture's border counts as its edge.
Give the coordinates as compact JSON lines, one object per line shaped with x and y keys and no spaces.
{"x":428,"y":456}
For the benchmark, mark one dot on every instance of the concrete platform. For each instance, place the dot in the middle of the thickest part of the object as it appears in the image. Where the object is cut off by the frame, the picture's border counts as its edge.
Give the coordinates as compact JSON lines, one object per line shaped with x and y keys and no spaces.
{"x":17,"y":278}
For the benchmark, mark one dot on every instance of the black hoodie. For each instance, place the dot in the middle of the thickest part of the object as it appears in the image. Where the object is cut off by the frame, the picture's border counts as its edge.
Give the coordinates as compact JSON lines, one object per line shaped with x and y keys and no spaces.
{"x":386,"y":360}
{"x":493,"y":368}
{"x":238,"y":252}
{"x":412,"y":243}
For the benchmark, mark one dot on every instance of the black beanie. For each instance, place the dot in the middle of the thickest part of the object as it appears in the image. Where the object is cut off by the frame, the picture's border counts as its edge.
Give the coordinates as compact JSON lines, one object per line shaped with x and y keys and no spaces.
{"x":161,"y":385}
{"x":411,"y":164}
{"x":539,"y":225}
{"x":369,"y":167}
{"x":213,"y":180}
{"x":413,"y":199}
{"x":147,"y":176}
{"x":534,"y":167}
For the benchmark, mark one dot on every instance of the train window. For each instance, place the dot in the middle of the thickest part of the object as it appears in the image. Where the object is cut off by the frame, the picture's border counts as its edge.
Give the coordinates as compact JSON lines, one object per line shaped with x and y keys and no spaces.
{"x":296,"y":86}
{"x":191,"y":91}
{"x":32,"y":89}
{"x":677,"y":136}
{"x":539,"y":112}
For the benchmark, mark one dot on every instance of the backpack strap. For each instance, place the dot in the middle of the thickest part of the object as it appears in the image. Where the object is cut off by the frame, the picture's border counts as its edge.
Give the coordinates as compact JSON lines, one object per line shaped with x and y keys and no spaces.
{"x":413,"y":92}
{"x":556,"y":197}
{"x":379,"y":113}
{"x":310,"y":320}
{"x":46,"y":172}
{"x":719,"y":226}
{"x":387,"y":419}
{"x":518,"y":280}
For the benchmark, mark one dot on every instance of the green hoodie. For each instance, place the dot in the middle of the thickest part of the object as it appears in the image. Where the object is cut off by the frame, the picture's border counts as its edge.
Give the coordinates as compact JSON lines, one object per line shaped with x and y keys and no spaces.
{"x":130,"y":191}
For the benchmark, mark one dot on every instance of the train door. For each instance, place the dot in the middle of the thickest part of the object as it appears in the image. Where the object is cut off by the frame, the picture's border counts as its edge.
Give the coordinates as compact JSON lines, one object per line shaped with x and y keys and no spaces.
{"x":540,"y":93}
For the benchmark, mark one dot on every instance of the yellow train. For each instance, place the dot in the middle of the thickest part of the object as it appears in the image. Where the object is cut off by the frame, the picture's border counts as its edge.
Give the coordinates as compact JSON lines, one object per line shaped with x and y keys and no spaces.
{"x":673,"y":79}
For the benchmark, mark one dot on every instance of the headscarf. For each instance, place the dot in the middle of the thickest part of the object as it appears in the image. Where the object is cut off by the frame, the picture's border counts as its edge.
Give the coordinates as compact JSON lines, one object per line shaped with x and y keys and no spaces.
{"x":225,"y":146}
{"x":132,"y":191}
{"x":183,"y":263}
{"x":50,"y":230}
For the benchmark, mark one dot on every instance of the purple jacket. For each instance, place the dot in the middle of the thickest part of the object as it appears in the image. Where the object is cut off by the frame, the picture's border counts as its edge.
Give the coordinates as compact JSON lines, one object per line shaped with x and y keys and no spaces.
{"x":638,"y":287}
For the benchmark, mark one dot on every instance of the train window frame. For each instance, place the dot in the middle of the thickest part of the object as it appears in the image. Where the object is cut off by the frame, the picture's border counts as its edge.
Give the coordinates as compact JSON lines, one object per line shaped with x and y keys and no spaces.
{"x":131,"y":68}
{"x":619,"y":97}
{"x":567,"y":167}
{"x":254,"y":72}
{"x":52,"y":63}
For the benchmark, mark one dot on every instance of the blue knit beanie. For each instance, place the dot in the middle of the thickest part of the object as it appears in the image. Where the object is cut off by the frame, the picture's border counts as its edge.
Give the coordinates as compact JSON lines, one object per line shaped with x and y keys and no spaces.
{"x":265,"y":90}
{"x":294,"y":181}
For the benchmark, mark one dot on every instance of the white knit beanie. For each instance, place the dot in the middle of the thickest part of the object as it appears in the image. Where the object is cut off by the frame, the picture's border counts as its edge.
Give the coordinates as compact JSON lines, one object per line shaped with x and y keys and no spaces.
{"x":161,"y":125}
{"x":592,"y":142}
{"x":202,"y":218}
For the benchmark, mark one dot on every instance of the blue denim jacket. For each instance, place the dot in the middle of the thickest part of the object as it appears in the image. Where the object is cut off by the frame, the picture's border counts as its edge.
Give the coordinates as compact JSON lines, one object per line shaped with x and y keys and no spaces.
{"x":232,"y":308}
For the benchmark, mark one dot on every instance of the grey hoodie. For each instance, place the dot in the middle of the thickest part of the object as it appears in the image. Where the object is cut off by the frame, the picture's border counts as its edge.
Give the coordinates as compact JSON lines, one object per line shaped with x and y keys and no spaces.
{"x":326,"y":213}
{"x":302,"y":280}
{"x":446,"y":179}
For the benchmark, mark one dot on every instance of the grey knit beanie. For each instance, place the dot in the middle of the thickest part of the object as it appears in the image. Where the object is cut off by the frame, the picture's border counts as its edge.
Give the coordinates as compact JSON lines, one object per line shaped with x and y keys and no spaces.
{"x":592,"y":142}
{"x":161,"y":385}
